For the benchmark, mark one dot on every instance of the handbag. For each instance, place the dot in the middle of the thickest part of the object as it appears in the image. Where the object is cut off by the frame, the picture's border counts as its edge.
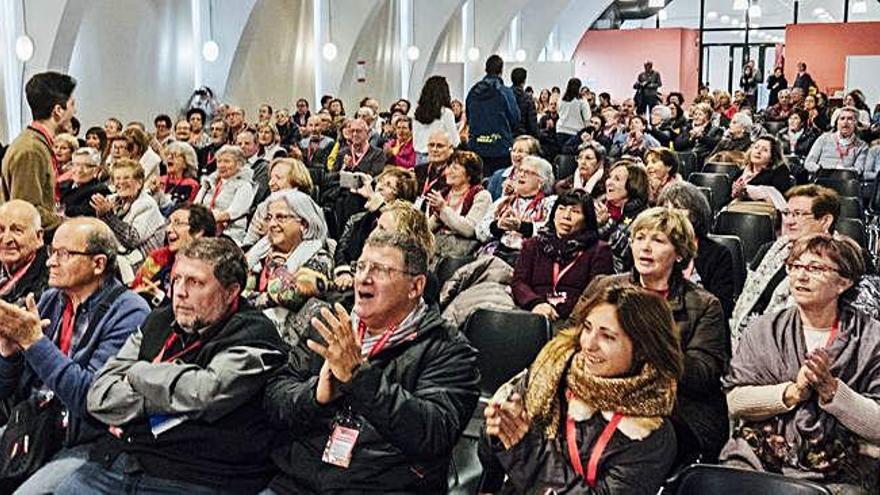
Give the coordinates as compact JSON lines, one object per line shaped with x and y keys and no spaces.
{"x":37,"y":426}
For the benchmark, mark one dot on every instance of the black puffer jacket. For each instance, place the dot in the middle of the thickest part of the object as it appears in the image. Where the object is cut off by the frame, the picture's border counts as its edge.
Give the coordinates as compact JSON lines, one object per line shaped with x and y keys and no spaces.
{"x":413,"y":401}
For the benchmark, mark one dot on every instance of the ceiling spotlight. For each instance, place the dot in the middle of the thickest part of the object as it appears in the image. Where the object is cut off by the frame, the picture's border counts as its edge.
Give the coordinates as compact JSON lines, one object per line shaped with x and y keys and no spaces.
{"x":725,"y":19}
{"x":210,"y":50}
{"x":755,"y":11}
{"x":740,"y":4}
{"x":860,"y":7}
{"x":473,"y":54}
{"x":24,"y":48}
{"x":329,"y":51}
{"x":661,"y":15}
{"x":412,"y":53}
{"x":711,"y":16}
{"x":520,"y":55}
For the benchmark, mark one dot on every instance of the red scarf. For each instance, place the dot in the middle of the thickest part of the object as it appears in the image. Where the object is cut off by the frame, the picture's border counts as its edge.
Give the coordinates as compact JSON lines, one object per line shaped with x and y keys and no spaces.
{"x":616,"y":212}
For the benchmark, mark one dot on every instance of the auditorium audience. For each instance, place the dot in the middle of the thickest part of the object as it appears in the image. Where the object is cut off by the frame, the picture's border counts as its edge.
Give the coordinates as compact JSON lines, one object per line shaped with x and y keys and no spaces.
{"x":399,"y":150}
{"x":590,"y":174}
{"x":737,"y":137}
{"x":841,"y":148}
{"x":433,"y":113}
{"x":65,"y":145}
{"x":798,"y":138}
{"x":700,"y":135}
{"x":284,"y":173}
{"x":523,"y":146}
{"x":662,"y":168}
{"x":180,"y":185}
{"x":606,"y":383}
{"x":802,"y":380}
{"x":765,"y":173}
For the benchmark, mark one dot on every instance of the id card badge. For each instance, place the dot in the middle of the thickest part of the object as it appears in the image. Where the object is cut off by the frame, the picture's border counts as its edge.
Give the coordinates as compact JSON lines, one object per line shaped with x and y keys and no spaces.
{"x":340,"y":445}
{"x":557,"y":298}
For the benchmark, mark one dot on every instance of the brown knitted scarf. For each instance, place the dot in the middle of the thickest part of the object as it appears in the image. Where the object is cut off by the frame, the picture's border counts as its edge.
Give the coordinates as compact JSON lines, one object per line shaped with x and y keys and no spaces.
{"x":646,"y":394}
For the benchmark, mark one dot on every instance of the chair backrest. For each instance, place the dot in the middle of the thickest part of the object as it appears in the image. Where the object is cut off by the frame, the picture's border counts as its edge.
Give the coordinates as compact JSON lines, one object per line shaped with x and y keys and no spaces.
{"x":508,"y":342}
{"x":447,"y":267}
{"x":724,"y":480}
{"x":565,"y":165}
{"x":773,"y":127}
{"x":722,"y":168}
{"x":687,"y":163}
{"x":734,"y":245}
{"x":844,"y":187}
{"x":854,"y":228}
{"x":753,"y":230}
{"x":851,"y":208}
{"x":837,"y":173}
{"x":720,"y":185}
{"x":707,"y":193}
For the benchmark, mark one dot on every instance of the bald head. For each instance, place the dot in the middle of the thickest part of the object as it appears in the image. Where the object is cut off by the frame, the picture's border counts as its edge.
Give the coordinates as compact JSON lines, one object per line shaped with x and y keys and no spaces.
{"x":439,"y":147}
{"x":20,"y":233}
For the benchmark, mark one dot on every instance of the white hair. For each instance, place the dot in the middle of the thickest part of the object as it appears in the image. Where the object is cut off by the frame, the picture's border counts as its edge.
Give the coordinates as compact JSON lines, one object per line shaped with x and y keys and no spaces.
{"x":91,"y":154}
{"x":664,"y":111}
{"x":742,"y":119}
{"x":545,"y":171}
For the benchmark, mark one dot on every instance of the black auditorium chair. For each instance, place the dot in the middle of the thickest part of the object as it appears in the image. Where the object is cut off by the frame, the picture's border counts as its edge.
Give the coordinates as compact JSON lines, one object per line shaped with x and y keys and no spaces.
{"x":854,"y":228}
{"x":508,"y":341}
{"x":707,"y":193}
{"x":720,"y":184}
{"x":844,"y":187}
{"x":687,"y":163}
{"x":851,"y":208}
{"x":704,"y":479}
{"x":731,"y":169}
{"x":837,"y":174}
{"x":773,"y":127}
{"x":753,"y":230}
{"x":565,"y":165}
{"x":734,"y":245}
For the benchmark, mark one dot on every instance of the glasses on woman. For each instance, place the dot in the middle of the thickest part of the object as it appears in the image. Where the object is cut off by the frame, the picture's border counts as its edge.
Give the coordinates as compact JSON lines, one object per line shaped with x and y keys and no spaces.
{"x":281,"y":217}
{"x":813,"y":270}
{"x":378,"y":270}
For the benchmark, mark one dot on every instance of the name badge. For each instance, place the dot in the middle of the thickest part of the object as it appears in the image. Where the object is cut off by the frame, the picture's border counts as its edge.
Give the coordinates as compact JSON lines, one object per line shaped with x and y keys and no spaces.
{"x":340,"y":446}
{"x":160,"y":423}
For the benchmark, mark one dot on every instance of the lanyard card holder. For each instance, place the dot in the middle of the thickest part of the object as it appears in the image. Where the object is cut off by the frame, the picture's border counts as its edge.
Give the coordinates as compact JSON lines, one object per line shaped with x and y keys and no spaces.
{"x":340,"y":445}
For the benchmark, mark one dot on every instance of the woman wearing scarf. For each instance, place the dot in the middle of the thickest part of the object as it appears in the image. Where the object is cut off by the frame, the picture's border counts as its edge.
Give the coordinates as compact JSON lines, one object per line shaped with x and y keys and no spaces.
{"x":804,"y":381}
{"x":132,"y":214}
{"x":590,"y":174}
{"x":591,"y":415}
{"x":229,"y":192}
{"x":291,"y":263}
{"x":454,"y":215}
{"x":626,"y":195}
{"x":555,"y":266}
{"x":518,"y":216}
{"x":663,"y":246}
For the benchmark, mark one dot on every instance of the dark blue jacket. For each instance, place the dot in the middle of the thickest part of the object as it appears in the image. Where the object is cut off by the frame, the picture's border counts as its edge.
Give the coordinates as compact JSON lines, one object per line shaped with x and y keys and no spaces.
{"x":492,"y":115}
{"x":70,"y":379}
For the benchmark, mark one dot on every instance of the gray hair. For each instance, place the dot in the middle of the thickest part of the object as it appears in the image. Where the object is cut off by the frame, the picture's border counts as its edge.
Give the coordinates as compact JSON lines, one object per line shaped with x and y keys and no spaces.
{"x":415,"y":256}
{"x":189,"y":155}
{"x":365,"y":111}
{"x":664,"y":112}
{"x":784,"y":92}
{"x":545,"y":171}
{"x":224,"y":255}
{"x":304,"y":207}
{"x":235,"y":151}
{"x":93,"y":155}
{"x":686,"y":196}
{"x":742,"y":119}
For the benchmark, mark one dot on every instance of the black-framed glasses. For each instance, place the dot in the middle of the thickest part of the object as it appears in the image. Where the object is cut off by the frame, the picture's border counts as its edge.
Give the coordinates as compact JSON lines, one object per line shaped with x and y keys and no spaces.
{"x":811,"y":270}
{"x":64,"y":254}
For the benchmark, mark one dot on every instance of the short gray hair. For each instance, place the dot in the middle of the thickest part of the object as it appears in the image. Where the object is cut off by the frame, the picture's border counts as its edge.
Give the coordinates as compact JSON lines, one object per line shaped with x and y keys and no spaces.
{"x":664,"y":111}
{"x":686,"y":196}
{"x":545,"y":171}
{"x":93,"y":155}
{"x":36,"y":221}
{"x":235,"y":151}
{"x":742,"y":119}
{"x":189,"y":155}
{"x":415,"y":256}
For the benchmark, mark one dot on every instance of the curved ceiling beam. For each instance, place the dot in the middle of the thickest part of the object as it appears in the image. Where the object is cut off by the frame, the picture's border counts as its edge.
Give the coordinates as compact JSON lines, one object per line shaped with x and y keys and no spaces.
{"x":432,"y":23}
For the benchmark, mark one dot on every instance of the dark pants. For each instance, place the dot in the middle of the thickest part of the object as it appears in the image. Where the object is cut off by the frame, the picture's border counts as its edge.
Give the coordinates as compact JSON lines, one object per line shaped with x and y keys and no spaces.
{"x":125,"y":476}
{"x":493,"y":163}
{"x":645,"y":104}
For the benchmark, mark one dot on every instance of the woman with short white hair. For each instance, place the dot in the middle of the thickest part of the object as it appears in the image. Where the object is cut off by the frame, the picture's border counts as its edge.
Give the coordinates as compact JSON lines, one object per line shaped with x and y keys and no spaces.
{"x":228,"y":192}
{"x":738,"y":136}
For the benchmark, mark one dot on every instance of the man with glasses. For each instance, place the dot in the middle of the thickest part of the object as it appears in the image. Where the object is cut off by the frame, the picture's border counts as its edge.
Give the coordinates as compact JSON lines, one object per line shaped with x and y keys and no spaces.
{"x":235,"y":119}
{"x":315,"y":146}
{"x":811,"y":209}
{"x":77,"y":193}
{"x":51,"y":351}
{"x":357,"y":157}
{"x":376,"y":399}
{"x":183,"y":395}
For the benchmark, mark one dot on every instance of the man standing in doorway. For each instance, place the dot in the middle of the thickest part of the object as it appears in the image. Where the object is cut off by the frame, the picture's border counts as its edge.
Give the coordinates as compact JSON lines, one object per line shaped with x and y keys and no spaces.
{"x":646,"y":87}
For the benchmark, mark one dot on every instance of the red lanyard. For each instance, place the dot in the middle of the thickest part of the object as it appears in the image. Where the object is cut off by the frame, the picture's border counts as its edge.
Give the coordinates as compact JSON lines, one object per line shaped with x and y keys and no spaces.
{"x":557,"y":275}
{"x":356,"y":160}
{"x":216,"y":193}
{"x":574,"y":454}
{"x":843,"y":152}
{"x":68,"y":320}
{"x":383,"y":340}
{"x":9,"y":284}
{"x":169,"y":342}
{"x":834,"y":329}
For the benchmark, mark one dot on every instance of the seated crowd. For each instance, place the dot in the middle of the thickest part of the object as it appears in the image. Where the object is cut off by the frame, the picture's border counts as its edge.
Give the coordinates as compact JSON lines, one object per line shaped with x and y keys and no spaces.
{"x":279,"y":306}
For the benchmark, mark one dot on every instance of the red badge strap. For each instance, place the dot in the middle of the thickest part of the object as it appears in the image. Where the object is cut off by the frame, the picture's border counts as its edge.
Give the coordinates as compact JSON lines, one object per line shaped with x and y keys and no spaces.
{"x":68,"y":319}
{"x":383,"y":340}
{"x":9,"y":284}
{"x":216,"y":193}
{"x":356,"y":160}
{"x":593,"y":463}
{"x":557,"y":275}
{"x":834,"y":329}
{"x":169,"y":343}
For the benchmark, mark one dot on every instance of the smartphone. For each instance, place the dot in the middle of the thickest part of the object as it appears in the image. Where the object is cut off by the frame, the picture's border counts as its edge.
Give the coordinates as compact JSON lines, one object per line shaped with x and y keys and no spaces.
{"x":350,"y":180}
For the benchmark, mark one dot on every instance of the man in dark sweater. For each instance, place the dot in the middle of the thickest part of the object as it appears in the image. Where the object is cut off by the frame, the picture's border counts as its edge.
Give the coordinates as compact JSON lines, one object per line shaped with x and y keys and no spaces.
{"x":528,"y":113}
{"x":183,"y":394}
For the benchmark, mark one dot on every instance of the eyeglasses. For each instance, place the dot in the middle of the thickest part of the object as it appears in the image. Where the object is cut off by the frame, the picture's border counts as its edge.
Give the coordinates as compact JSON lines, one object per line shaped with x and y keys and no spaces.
{"x":797,"y":215}
{"x":812,"y":270}
{"x":525,"y":171}
{"x":64,"y":254}
{"x":281,"y":217}
{"x":379,"y":271}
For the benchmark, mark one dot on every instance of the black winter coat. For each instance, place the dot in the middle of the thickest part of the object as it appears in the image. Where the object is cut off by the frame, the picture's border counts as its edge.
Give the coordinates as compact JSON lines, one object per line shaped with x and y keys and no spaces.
{"x":413,"y":401}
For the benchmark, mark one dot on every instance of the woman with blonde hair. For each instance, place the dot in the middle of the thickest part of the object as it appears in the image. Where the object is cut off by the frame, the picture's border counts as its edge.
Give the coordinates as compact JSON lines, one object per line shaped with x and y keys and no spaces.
{"x":603,"y":390}
{"x":284,"y":173}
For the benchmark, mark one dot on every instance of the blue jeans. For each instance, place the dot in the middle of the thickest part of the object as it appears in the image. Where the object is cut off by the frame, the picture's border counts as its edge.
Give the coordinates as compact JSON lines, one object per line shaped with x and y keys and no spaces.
{"x":125,"y":477}
{"x":62,"y":465}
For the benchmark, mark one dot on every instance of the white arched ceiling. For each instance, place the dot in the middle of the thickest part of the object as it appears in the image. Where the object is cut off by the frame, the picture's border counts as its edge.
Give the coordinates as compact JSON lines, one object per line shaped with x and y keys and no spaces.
{"x":431,"y":23}
{"x":370,"y":34}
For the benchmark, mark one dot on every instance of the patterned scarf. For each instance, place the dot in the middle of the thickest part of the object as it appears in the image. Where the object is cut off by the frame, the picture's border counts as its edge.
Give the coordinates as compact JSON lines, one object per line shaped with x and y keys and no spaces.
{"x":646,"y":394}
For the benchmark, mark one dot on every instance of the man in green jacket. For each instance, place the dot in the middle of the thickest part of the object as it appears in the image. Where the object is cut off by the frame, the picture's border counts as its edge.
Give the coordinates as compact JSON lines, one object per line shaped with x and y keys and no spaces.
{"x":29,"y":166}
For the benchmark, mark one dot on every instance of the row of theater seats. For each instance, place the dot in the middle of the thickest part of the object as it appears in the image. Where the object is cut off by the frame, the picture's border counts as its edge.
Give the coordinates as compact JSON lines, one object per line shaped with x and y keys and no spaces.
{"x":508,"y":342}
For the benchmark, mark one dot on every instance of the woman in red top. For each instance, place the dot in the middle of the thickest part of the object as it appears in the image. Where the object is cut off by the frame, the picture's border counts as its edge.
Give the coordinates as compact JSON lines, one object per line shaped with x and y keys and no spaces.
{"x":399,"y":151}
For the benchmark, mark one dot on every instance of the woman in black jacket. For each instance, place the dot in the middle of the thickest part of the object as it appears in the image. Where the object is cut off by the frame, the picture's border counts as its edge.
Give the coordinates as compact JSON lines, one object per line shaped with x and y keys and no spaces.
{"x":602,"y":389}
{"x":798,"y":137}
{"x":85,"y":181}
